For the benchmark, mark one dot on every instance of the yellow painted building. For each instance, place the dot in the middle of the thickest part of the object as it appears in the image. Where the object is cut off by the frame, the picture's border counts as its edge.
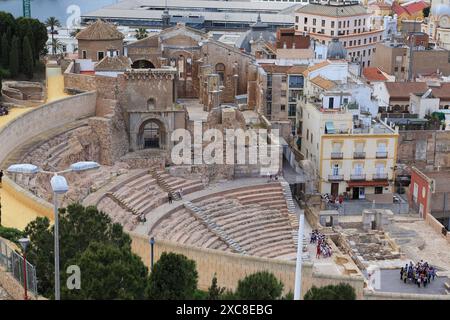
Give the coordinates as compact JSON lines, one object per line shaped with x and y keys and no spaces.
{"x":353,"y":157}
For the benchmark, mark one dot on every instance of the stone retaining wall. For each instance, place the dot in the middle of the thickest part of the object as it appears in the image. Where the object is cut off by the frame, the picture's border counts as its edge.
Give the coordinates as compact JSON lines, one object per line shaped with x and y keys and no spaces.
{"x":437,"y":226}
{"x":44,"y":118}
{"x":231,"y":267}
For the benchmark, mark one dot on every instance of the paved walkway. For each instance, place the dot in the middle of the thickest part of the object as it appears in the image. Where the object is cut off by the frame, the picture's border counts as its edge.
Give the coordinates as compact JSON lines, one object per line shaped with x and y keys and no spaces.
{"x":390,"y":282}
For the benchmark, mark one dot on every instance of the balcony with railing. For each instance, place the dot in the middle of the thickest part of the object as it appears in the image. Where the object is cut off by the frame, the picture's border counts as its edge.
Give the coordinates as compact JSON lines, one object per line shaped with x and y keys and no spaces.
{"x":335,"y":177}
{"x":381,"y":154}
{"x":380,"y":176}
{"x":359,"y":155}
{"x":358,"y":176}
{"x":337,"y":155}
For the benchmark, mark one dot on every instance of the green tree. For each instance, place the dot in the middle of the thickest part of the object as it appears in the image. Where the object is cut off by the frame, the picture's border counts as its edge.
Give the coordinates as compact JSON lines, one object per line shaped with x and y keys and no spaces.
{"x":79,"y":227}
{"x":174,"y":277}
{"x":426,"y":12}
{"x":10,"y":233}
{"x":108,"y":272}
{"x":4,"y":54}
{"x":141,"y":33}
{"x":259,"y":286}
{"x":7,"y":21}
{"x":214,"y":291}
{"x":27,"y":62}
{"x":14,"y":57}
{"x":342,"y":291}
{"x":52,"y":23}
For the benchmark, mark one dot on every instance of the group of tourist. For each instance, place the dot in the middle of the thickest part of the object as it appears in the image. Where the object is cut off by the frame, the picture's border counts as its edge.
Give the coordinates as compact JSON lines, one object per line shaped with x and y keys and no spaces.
{"x":421,"y":273}
{"x":322,"y":247}
{"x":3,"y":110}
{"x":272,"y":177}
{"x":334,"y":201}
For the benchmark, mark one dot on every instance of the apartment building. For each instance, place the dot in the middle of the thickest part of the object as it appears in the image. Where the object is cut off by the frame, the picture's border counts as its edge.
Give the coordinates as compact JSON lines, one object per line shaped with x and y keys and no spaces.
{"x":351,"y":153}
{"x":280,"y":87}
{"x":348,"y":21}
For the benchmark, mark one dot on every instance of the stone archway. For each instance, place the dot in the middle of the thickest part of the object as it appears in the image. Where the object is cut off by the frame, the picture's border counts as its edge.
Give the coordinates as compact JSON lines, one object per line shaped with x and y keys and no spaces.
{"x":151,"y":135}
{"x":142,"y":64}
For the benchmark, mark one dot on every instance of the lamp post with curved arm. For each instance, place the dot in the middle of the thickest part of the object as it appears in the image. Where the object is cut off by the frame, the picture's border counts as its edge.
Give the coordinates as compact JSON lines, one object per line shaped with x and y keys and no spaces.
{"x":59,"y":186}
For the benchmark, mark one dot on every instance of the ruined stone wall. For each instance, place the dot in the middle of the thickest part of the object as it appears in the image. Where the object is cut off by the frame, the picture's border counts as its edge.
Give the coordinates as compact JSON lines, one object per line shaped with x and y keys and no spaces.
{"x":236,"y":63}
{"x":424,"y":148}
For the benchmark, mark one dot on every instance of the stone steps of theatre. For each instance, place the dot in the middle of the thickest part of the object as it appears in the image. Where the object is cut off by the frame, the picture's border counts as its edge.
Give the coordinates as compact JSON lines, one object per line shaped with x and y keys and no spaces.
{"x":269,"y":246}
{"x":234,"y":211}
{"x":250,"y":221}
{"x":178,"y":232}
{"x":130,"y":193}
{"x":277,"y":202}
{"x":167,"y":226}
{"x":143,"y":183}
{"x":194,"y":233}
{"x":116,"y":213}
{"x":239,"y":218}
{"x":243,"y":233}
{"x":260,"y":196}
{"x":120,"y":203}
{"x":207,"y":239}
{"x":188,"y":186}
{"x":274,"y":248}
{"x":183,"y":234}
{"x":266,"y":237}
{"x":135,"y":198}
{"x":148,"y":206}
{"x":282,"y":253}
{"x":220,"y":210}
{"x":218,"y":204}
{"x":250,"y":190}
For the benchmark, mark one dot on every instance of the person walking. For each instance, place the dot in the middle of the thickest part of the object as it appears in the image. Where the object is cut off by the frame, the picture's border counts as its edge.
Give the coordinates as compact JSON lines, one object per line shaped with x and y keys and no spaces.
{"x":1,"y":176}
{"x":169,"y":196}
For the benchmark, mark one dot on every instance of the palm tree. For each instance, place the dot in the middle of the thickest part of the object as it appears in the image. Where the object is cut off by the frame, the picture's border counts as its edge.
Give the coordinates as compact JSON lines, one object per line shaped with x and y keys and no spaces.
{"x":74,"y":33}
{"x":52,"y":22}
{"x":141,"y":33}
{"x":57,"y":46}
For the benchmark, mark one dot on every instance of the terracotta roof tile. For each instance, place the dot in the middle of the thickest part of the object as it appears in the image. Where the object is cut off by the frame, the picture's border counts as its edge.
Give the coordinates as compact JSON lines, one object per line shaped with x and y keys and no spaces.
{"x":316,"y":67}
{"x":113,"y":64}
{"x":100,"y":30}
{"x":401,"y":90}
{"x":374,"y":74}
{"x":323,"y":83}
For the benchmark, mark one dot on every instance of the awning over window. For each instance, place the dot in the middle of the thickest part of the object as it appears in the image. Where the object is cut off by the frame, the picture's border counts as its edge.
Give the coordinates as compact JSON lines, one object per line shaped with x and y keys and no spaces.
{"x":329,"y":127}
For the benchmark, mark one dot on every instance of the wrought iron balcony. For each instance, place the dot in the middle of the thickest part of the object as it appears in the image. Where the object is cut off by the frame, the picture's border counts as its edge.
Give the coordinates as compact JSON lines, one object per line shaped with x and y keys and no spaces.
{"x":335,"y":177}
{"x":380,"y":176}
{"x":337,"y":155}
{"x":359,"y":155}
{"x":381,"y":154}
{"x":358,"y":177}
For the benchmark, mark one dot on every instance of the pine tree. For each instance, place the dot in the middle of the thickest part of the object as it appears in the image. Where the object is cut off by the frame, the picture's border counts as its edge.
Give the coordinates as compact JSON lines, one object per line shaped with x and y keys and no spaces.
{"x":4,"y":56}
{"x":14,"y":57}
{"x":27,"y":66}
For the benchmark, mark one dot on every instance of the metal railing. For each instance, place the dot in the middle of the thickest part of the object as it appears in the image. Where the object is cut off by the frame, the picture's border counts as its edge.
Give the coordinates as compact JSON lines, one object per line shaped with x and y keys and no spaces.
{"x":337,"y":155}
{"x":361,"y":176}
{"x":380,"y":176}
{"x":359,"y":155}
{"x":335,"y":177}
{"x":13,"y":263}
{"x":381,"y":154}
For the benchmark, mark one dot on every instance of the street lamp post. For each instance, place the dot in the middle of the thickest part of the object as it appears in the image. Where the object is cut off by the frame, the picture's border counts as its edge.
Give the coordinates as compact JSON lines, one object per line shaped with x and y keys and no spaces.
{"x":24,"y":242}
{"x":59,"y":186}
{"x":298,"y":266}
{"x":152,"y":244}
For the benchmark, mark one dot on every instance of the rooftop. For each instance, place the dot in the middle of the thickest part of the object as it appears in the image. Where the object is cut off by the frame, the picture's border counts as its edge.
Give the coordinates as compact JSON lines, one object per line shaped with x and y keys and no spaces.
{"x":334,"y":9}
{"x":402,"y":90}
{"x":323,"y":83}
{"x":113,"y":64}
{"x":374,"y":74}
{"x":100,"y":30}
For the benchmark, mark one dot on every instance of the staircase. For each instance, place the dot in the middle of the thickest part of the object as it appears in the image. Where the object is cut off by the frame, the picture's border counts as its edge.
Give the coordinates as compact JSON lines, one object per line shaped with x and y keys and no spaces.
{"x":292,"y":215}
{"x":213,"y":227}
{"x":121,"y":204}
{"x":162,"y":183}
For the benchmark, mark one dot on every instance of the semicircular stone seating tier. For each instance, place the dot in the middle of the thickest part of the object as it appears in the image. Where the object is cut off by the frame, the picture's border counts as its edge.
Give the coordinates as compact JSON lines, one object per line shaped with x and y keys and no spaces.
{"x":138,"y":195}
{"x":252,"y":220}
